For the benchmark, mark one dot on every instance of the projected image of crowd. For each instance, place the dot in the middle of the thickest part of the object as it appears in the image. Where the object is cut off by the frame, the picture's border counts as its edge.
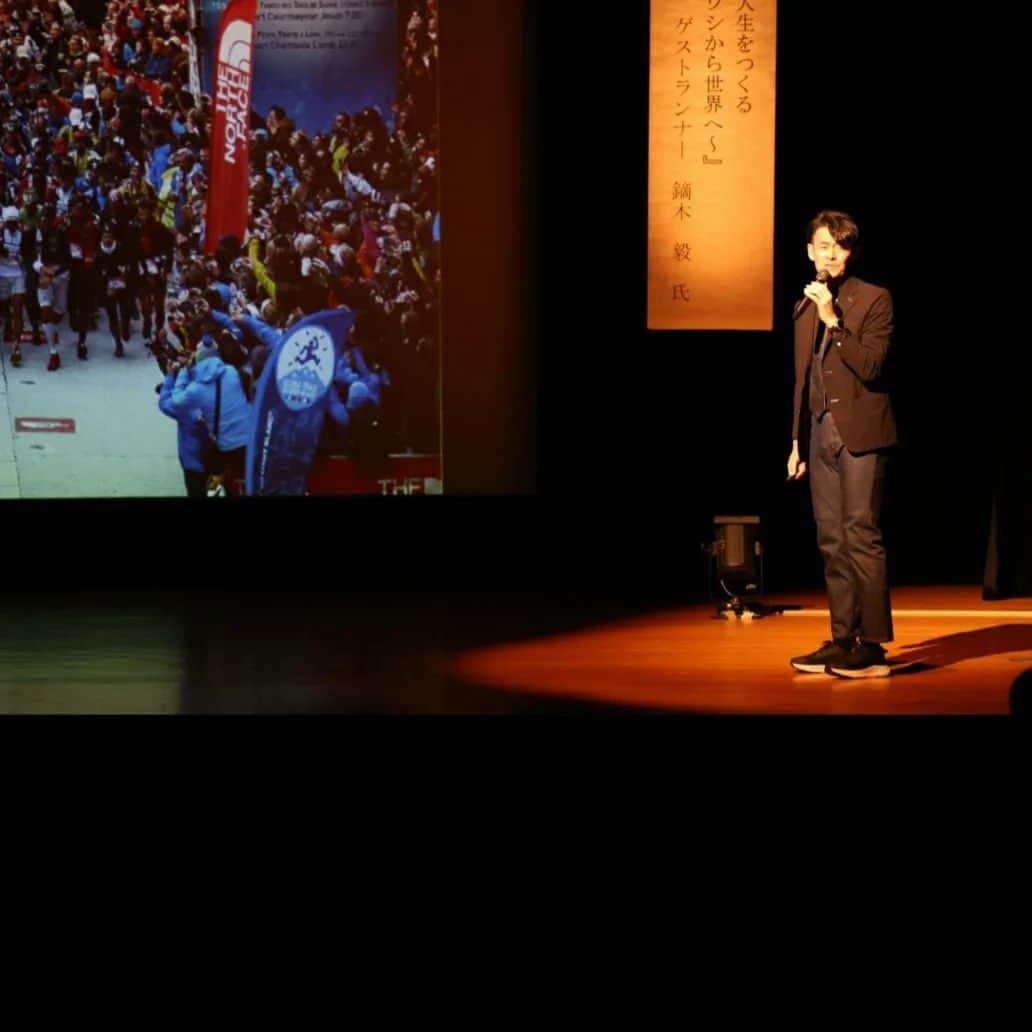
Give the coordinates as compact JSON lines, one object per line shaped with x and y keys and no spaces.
{"x":104,"y":189}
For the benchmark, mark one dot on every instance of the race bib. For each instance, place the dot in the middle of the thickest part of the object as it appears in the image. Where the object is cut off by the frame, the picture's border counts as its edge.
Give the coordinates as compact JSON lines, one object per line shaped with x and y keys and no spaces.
{"x":76,"y":250}
{"x":115,"y":283}
{"x":152,"y":267}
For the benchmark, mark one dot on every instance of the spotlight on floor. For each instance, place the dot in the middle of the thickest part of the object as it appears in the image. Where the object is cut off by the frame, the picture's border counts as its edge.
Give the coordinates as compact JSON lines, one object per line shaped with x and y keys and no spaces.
{"x":736,"y":568}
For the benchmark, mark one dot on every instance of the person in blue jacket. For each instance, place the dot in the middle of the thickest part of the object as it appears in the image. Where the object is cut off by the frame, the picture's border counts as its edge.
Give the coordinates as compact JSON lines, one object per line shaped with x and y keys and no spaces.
{"x":192,"y":435}
{"x":355,"y":383}
{"x":194,"y":389}
{"x":161,"y":159}
{"x":159,"y":63}
{"x":355,"y":405}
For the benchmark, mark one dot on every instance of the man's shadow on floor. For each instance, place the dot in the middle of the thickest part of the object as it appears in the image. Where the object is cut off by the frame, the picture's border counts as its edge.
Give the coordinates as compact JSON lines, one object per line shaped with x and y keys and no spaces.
{"x":954,"y":648}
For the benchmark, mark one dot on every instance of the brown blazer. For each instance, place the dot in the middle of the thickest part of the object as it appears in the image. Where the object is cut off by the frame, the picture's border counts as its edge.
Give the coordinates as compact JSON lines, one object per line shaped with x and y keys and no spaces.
{"x":853,"y":366}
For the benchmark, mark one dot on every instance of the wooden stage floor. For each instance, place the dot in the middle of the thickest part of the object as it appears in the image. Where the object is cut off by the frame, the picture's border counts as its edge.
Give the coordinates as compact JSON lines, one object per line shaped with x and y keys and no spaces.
{"x":953,"y":654}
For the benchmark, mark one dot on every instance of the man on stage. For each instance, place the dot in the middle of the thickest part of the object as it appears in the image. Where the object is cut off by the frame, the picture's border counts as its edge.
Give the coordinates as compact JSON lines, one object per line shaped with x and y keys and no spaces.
{"x":841,"y":409}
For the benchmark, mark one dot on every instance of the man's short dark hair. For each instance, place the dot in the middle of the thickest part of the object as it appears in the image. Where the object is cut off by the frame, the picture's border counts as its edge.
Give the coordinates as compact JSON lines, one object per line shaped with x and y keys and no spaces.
{"x":844,"y":231}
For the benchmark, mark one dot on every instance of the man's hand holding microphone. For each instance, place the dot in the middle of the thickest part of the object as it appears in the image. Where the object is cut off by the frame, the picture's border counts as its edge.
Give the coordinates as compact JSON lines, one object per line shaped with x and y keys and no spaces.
{"x":822,"y":297}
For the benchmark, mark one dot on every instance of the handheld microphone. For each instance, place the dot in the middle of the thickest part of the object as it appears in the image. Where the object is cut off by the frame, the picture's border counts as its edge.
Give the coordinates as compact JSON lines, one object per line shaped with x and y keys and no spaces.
{"x":822,"y":277}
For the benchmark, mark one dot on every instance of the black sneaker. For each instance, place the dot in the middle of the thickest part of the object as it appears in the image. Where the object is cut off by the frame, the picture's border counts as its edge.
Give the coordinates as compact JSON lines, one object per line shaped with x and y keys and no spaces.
{"x":865,"y":659}
{"x":836,"y":651}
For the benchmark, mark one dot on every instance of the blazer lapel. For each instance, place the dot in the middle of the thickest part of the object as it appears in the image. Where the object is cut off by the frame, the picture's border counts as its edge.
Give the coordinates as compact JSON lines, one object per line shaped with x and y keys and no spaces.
{"x":844,"y":301}
{"x":847,"y":296}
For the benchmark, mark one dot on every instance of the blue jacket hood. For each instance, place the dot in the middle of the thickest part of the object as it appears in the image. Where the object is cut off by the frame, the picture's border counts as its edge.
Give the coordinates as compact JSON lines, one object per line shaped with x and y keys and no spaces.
{"x":209,"y":370}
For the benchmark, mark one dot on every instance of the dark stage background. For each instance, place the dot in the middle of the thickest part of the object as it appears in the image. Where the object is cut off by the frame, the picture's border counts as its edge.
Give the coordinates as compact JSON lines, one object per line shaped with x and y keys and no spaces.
{"x":634,"y":440}
{"x":649,"y":434}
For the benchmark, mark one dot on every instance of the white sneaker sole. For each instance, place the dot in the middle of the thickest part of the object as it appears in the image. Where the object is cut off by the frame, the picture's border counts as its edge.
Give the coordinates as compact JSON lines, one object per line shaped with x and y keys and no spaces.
{"x":876,"y":670}
{"x":809,"y":668}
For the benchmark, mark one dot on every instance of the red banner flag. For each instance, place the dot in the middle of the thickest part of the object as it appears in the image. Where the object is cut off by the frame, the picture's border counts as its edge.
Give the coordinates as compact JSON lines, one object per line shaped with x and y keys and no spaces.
{"x":234,"y":73}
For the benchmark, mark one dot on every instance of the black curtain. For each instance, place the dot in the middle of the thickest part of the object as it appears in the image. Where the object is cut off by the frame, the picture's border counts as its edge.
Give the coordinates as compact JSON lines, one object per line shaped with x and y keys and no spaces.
{"x":1008,"y":568}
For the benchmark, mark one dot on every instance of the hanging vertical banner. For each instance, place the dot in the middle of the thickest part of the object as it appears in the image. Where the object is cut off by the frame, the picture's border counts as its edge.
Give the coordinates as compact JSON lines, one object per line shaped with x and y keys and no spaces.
{"x":319,"y":57}
{"x":290,"y":403}
{"x":711,"y":164}
{"x":231,"y":123}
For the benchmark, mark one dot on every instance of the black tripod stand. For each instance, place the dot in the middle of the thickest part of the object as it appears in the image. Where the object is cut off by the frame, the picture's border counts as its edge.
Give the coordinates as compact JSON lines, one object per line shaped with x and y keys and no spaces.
{"x":751,"y":604}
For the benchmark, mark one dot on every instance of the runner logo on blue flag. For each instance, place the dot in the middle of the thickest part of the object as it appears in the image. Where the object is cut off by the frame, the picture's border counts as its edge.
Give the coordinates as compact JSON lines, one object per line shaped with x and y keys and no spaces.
{"x":304,"y":370}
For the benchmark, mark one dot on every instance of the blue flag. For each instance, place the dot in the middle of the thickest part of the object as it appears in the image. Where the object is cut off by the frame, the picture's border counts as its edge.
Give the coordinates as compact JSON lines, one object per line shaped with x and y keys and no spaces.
{"x":290,"y":403}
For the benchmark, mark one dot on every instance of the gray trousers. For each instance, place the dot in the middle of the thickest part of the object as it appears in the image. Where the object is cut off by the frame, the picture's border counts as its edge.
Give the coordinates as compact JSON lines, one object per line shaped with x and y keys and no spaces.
{"x":847,"y":496}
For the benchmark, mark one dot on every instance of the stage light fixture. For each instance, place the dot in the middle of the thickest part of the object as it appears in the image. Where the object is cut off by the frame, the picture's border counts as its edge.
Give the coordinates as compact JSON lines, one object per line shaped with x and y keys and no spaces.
{"x":736,"y":566}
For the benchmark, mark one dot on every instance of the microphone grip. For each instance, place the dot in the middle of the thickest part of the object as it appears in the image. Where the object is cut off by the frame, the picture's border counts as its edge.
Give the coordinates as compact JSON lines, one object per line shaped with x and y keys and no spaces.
{"x":822,"y":277}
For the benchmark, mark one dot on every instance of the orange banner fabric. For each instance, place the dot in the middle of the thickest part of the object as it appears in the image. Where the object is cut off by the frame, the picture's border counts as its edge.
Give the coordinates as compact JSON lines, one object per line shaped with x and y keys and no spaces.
{"x":711,"y":164}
